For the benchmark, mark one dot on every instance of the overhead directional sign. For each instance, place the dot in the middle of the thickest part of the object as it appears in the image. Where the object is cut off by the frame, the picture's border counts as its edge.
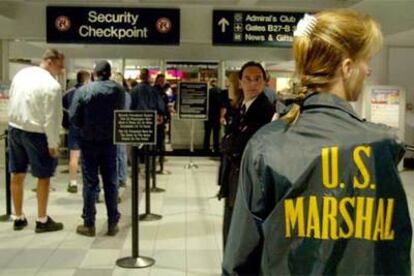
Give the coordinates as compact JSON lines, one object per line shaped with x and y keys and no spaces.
{"x":112,"y":25}
{"x":223,"y":23}
{"x":254,"y":28}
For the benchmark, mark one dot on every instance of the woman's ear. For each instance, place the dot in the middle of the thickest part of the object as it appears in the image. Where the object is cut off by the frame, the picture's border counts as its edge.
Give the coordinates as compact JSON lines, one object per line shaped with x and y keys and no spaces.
{"x":347,"y":68}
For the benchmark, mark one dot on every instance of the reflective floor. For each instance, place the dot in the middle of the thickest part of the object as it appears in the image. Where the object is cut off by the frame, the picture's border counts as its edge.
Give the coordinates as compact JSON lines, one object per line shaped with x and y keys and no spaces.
{"x":186,"y":241}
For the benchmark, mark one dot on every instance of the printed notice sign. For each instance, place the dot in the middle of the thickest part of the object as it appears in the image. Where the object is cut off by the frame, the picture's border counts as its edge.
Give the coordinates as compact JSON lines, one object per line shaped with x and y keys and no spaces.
{"x":385,"y":105}
{"x":112,"y":25}
{"x":192,"y":100}
{"x":254,"y":28}
{"x":135,"y":127}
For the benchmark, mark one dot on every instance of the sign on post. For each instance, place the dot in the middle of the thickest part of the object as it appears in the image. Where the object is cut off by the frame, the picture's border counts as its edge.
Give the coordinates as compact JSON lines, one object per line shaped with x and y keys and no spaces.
{"x":135,"y":127}
{"x":193,"y":100}
{"x":254,"y":28}
{"x":112,"y":25}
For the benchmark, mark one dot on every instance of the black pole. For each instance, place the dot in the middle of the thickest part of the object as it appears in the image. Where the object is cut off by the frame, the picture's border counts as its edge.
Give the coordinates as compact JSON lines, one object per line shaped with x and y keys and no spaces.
{"x":7,"y":216}
{"x":148,"y":216}
{"x":147,"y":183}
{"x":153,"y":157}
{"x":162,"y":159}
{"x":134,"y":204}
{"x":135,"y":261}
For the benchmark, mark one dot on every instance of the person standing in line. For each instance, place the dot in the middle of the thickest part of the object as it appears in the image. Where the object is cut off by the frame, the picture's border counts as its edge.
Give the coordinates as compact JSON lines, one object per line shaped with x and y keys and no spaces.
{"x":229,"y":119}
{"x":215,"y":106}
{"x":35,"y":116}
{"x":82,"y":77}
{"x":319,"y":190}
{"x":269,"y":91}
{"x":254,"y":112}
{"x":159,"y":88}
{"x":121,"y":150}
{"x":143,"y":97}
{"x":92,"y":111}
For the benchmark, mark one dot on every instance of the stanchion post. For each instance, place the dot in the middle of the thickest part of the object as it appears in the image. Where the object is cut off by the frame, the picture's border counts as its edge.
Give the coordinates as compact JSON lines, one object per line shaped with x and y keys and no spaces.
{"x":147,"y":182}
{"x":7,"y":216}
{"x":162,"y":159}
{"x":134,"y":203}
{"x":154,"y":188}
{"x":148,"y":216}
{"x":135,"y":261}
{"x":191,"y":164}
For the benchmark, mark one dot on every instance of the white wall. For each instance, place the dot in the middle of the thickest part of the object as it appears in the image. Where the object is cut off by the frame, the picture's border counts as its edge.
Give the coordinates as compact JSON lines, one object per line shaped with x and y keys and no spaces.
{"x":401,"y":73}
{"x":379,"y":67}
{"x":401,"y":69}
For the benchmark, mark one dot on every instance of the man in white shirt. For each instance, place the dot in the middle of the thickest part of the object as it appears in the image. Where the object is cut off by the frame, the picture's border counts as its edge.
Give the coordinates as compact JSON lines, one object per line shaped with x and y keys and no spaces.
{"x":35,"y":114}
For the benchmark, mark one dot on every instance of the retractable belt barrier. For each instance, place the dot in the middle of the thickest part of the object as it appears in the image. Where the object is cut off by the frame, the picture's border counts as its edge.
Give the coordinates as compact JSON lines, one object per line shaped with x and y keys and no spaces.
{"x":7,"y":216}
{"x":135,"y":261}
{"x":154,"y":188}
{"x":185,"y":153}
{"x":149,"y":173}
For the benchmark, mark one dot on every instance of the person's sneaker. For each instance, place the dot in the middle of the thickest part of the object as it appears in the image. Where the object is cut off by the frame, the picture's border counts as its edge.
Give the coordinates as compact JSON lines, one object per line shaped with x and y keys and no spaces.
{"x":49,"y":226}
{"x":73,"y":189}
{"x":84,"y":230}
{"x":113,"y":229}
{"x":19,"y":224}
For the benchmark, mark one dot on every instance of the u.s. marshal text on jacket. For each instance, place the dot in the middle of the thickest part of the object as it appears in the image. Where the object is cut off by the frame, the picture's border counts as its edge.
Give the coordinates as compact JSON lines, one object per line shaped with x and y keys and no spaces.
{"x":321,"y":196}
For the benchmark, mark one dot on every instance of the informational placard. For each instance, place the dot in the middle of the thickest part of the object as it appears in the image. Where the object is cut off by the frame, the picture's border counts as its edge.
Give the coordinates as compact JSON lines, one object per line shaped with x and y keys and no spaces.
{"x":254,"y":28}
{"x":193,"y":100}
{"x":385,"y":104}
{"x":100,"y":25}
{"x":135,"y":127}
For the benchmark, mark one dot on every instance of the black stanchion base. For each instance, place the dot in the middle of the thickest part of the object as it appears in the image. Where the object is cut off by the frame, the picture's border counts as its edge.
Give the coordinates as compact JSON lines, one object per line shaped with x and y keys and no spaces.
{"x":149,"y":217}
{"x":5,"y":218}
{"x":157,"y":190}
{"x":131,"y":262}
{"x":191,"y":165}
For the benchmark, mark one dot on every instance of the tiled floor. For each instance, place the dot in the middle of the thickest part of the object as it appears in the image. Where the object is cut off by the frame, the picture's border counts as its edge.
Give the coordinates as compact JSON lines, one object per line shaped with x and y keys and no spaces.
{"x":186,"y":241}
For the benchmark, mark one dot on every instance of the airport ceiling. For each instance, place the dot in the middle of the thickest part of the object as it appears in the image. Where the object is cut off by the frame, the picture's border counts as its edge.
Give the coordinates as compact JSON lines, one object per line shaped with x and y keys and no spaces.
{"x":396,"y":16}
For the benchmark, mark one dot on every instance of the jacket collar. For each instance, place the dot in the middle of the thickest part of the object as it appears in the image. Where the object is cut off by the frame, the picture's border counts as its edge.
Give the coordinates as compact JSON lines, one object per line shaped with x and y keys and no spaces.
{"x":325,"y":99}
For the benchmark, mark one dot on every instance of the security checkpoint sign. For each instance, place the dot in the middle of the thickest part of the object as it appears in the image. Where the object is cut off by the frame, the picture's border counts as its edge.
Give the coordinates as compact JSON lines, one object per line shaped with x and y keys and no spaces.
{"x":135,"y":127}
{"x":254,"y":28}
{"x":98,"y":25}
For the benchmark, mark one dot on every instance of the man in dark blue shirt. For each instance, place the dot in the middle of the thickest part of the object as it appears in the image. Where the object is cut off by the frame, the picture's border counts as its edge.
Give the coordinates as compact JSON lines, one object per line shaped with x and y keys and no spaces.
{"x":143,"y":96}
{"x":93,"y":112}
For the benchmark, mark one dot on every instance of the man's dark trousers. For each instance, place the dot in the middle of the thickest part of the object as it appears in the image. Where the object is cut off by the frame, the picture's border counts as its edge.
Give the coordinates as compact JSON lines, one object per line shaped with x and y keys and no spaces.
{"x":215,"y":126}
{"x":99,"y":157}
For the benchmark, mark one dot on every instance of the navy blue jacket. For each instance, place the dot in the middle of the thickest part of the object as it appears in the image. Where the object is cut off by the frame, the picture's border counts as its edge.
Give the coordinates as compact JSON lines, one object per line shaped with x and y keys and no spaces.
{"x":145,"y":97}
{"x":92,"y":109}
{"x":66,"y":103}
{"x":322,"y":196}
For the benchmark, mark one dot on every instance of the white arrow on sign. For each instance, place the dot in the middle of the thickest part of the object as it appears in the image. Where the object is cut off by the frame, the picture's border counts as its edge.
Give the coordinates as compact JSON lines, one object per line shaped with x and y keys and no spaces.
{"x":223,"y":22}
